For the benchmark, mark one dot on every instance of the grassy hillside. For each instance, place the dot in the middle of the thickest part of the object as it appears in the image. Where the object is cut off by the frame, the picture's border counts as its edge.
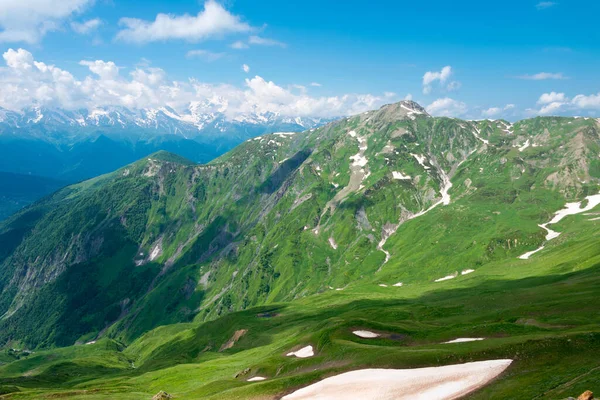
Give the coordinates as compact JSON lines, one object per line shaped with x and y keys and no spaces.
{"x":298,"y":239}
{"x":540,"y":313}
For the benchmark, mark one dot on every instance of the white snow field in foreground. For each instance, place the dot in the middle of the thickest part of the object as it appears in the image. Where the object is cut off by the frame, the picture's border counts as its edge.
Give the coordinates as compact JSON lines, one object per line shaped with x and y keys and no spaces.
{"x":436,"y":383}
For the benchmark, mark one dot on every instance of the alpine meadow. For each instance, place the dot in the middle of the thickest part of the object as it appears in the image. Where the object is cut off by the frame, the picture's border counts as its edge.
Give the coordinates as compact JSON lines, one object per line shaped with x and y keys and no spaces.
{"x":177,"y":236}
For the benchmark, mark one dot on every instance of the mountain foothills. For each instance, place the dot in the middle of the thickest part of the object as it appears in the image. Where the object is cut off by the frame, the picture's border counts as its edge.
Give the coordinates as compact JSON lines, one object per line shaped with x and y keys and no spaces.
{"x":193,"y":279}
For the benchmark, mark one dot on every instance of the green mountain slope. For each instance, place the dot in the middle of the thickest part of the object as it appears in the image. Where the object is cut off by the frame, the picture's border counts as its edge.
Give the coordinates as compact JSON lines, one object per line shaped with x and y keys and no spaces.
{"x":390,"y":195}
{"x":18,"y":190}
{"x":317,"y":228}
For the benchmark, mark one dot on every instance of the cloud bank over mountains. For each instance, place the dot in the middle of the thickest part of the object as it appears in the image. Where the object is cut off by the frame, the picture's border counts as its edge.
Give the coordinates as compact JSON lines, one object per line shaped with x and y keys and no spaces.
{"x":26,"y":81}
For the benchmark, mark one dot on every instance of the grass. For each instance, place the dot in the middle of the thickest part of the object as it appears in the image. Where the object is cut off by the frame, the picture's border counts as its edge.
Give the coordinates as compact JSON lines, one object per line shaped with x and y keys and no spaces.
{"x":539,"y":313}
{"x":239,"y":251}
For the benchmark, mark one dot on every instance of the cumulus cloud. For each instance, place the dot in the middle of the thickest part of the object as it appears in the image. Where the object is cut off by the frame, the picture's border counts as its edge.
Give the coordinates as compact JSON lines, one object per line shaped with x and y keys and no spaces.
{"x":205,"y":55}
{"x":213,"y":21}
{"x":315,"y":84}
{"x":447,"y":107}
{"x":261,"y":41}
{"x":441,"y":77}
{"x":591,"y":102}
{"x":238,"y":45}
{"x":542,"y":5}
{"x":543,"y":76}
{"x":492,"y":112}
{"x":25,"y":82}
{"x":497,"y":111}
{"x":86,"y":27}
{"x":558,"y":103}
{"x":105,"y":70}
{"x":552,"y":97}
{"x":29,"y":21}
{"x":246,"y":68}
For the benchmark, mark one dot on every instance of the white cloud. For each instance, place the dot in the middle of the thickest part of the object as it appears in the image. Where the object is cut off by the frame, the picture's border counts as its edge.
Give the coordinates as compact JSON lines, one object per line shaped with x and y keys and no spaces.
{"x":492,"y":112}
{"x":86,"y":27}
{"x":246,"y":68}
{"x":105,"y":70}
{"x":28,"y":21}
{"x":315,"y":84}
{"x":551,"y":108}
{"x":442,"y":77}
{"x":25,"y":81}
{"x":497,"y":111}
{"x":542,"y":5}
{"x":553,"y":97}
{"x":389,"y":94}
{"x":205,"y":55}
{"x":408,"y":97}
{"x":19,"y":60}
{"x":558,"y":103}
{"x":239,"y":45}
{"x":587,"y":102}
{"x":265,"y":41}
{"x":454,"y":85}
{"x":543,"y":76}
{"x":447,"y":107}
{"x":213,"y":21}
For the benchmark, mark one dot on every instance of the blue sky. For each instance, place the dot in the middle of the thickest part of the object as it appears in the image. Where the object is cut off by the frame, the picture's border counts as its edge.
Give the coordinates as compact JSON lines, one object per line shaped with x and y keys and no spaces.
{"x":509,"y":59}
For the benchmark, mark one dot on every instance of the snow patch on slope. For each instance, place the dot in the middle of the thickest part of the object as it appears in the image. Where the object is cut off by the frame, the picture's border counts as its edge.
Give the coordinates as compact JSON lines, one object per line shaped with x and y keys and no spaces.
{"x":435,"y":383}
{"x":570,"y":209}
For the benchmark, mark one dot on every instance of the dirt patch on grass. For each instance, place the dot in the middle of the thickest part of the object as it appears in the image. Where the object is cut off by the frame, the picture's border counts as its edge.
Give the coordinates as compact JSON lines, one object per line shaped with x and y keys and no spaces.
{"x":231,"y":342}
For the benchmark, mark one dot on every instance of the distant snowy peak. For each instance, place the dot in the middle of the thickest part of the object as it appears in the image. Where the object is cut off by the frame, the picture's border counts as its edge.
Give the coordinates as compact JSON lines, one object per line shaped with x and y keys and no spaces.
{"x":206,"y":118}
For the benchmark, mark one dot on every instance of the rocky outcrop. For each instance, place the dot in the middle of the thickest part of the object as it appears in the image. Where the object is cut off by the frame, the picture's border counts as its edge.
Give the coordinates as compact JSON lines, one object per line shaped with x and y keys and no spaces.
{"x":162,"y":395}
{"x":587,"y":395}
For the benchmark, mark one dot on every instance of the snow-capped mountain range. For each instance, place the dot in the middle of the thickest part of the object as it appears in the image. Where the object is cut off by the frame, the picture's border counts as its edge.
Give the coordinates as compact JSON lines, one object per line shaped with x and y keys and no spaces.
{"x":199,"y":119}
{"x":72,"y":145}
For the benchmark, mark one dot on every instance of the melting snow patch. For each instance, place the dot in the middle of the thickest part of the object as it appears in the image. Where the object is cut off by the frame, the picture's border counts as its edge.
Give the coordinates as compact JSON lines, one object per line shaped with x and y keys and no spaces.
{"x":399,"y":284}
{"x":420,"y":159}
{"x":256,"y":379}
{"x":382,"y":285}
{"x":570,"y":209}
{"x":92,"y":342}
{"x":463,"y":340}
{"x":447,"y":278}
{"x":332,"y":243}
{"x":155,"y":252}
{"x":478,"y":136}
{"x":526,"y":145}
{"x":359,"y":160}
{"x":366,"y":334}
{"x":467,"y":271}
{"x":439,"y":383}
{"x":530,"y":253}
{"x":400,"y":175}
{"x":304,"y":352}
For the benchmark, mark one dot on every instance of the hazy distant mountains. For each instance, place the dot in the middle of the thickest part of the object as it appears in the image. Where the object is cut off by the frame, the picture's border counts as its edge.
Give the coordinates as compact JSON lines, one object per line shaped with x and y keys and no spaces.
{"x":74,"y":145}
